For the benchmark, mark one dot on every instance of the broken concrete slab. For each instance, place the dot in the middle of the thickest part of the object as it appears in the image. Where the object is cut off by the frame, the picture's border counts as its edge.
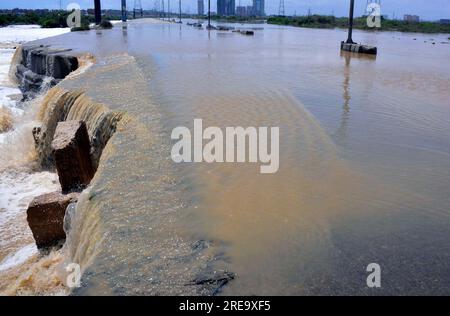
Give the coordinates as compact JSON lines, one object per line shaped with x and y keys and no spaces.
{"x":43,"y":67}
{"x":45,"y":216}
{"x":71,"y":151}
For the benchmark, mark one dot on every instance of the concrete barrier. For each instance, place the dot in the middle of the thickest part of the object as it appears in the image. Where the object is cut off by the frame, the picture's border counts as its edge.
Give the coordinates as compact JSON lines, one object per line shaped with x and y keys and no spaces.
{"x":357,"y":48}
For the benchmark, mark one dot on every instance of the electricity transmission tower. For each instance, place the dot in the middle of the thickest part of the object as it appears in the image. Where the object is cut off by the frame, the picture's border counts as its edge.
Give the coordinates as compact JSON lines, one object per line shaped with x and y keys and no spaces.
{"x":137,"y":8}
{"x":281,"y":10}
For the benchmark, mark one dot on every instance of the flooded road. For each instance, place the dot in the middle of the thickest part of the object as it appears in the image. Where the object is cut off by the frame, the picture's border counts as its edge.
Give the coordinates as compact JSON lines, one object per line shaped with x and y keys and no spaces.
{"x":364,"y":154}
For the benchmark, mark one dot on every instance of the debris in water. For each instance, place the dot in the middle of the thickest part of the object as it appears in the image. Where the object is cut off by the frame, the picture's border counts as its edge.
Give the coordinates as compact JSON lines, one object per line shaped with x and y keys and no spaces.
{"x":219,"y":279}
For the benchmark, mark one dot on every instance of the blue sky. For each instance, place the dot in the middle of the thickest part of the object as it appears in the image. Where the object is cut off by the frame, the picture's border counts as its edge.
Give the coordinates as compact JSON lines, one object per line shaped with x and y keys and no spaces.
{"x":427,"y":9}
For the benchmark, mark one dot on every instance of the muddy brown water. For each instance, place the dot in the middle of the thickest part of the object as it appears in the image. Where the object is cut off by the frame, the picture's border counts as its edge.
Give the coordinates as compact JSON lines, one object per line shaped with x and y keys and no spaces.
{"x":364,"y":162}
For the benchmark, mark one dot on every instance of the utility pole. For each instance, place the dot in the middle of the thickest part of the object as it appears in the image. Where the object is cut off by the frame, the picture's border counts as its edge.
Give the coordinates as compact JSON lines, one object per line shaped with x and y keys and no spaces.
{"x":209,"y":14}
{"x":349,"y":45}
{"x":168,"y":10}
{"x":179,"y":4}
{"x":350,"y":22}
{"x":98,"y":12}
{"x":124,"y":10}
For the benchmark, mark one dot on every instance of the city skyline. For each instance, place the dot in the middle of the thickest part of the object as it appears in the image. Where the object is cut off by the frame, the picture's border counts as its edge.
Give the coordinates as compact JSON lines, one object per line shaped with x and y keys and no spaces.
{"x":226,"y":7}
{"x":440,"y":9}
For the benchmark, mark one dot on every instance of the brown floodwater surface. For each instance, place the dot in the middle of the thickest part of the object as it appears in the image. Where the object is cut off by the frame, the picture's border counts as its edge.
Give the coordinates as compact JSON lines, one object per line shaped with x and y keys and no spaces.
{"x":364,"y":154}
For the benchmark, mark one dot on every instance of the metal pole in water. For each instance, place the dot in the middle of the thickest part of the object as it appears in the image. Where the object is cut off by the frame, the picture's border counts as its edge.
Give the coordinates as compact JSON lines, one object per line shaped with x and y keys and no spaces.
{"x":98,"y":12}
{"x":350,"y":23}
{"x":124,"y":10}
{"x":179,"y":2}
{"x":209,"y":14}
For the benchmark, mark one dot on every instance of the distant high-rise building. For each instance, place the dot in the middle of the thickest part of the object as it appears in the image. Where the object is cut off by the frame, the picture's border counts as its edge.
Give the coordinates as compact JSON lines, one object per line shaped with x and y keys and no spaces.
{"x":201,"y":7}
{"x":226,"y":7}
{"x":411,"y":18}
{"x":250,"y":10}
{"x":259,"y":8}
{"x":241,"y":11}
{"x":231,"y":7}
{"x":220,"y":7}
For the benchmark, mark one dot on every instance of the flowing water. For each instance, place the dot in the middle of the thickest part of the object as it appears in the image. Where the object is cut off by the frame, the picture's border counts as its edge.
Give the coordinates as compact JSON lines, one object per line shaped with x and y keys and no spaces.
{"x":19,"y":180}
{"x":364,"y":160}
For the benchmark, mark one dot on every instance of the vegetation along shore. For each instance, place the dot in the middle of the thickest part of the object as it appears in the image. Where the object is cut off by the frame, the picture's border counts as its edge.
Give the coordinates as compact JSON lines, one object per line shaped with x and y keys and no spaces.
{"x":329,"y":22}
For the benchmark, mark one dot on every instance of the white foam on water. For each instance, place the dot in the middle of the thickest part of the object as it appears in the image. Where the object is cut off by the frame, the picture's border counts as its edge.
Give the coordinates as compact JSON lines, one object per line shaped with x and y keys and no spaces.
{"x":6,"y":55}
{"x":7,"y":101}
{"x":17,"y":144}
{"x":17,"y":189}
{"x":19,"y":184}
{"x":22,"y":255}
{"x":7,"y":89}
